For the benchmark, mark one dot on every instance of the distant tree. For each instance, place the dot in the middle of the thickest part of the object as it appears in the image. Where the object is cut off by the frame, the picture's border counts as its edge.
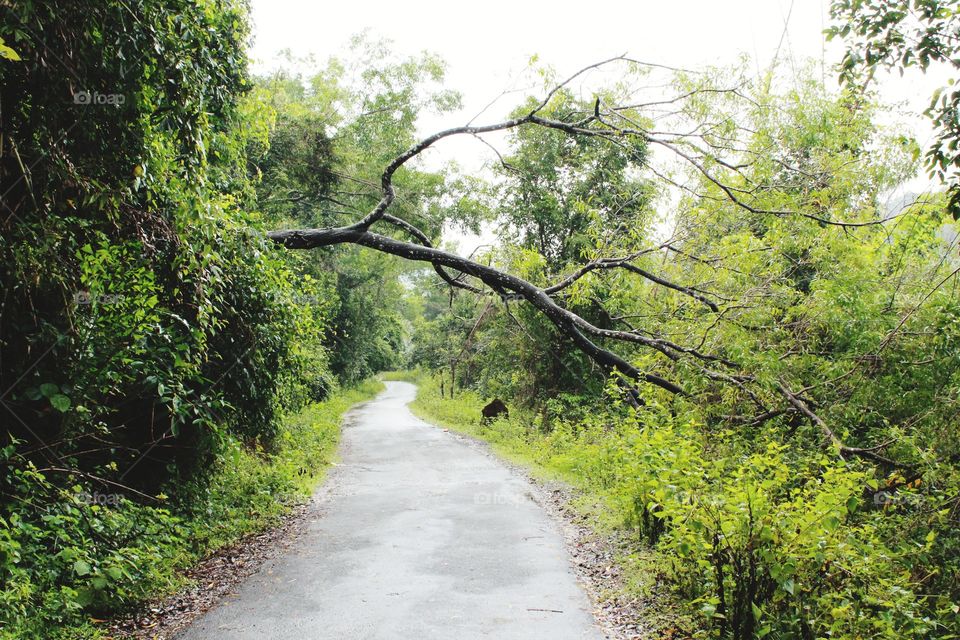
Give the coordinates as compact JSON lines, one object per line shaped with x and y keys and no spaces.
{"x":556,"y":186}
{"x":334,"y":128}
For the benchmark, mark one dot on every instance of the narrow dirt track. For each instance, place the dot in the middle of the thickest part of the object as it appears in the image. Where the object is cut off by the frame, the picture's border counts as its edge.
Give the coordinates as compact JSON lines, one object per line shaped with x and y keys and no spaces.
{"x":416,"y":534}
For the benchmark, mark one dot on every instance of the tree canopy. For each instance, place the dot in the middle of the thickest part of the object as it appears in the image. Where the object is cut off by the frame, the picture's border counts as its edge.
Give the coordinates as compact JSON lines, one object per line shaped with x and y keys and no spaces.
{"x":904,"y":34}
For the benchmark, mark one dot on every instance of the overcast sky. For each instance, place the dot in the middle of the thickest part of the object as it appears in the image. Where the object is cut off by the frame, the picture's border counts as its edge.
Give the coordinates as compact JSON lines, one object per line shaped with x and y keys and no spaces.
{"x":487,"y":45}
{"x":487,"y":48}
{"x":484,"y":43}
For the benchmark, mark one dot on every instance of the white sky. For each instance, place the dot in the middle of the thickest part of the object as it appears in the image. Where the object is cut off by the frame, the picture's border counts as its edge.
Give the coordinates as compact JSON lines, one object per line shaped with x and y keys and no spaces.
{"x":484,"y":41}
{"x":487,"y":45}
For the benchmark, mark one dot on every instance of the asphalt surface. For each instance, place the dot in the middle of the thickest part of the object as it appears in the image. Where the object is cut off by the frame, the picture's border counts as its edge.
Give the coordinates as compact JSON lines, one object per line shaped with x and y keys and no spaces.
{"x":418,"y":533}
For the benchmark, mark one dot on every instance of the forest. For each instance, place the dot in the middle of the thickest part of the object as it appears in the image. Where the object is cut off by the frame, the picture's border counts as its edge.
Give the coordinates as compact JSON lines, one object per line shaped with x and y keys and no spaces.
{"x":717,"y":311}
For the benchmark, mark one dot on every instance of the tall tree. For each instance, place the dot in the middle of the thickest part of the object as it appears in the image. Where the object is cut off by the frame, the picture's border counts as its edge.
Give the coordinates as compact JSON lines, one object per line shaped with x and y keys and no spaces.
{"x":904,"y":34}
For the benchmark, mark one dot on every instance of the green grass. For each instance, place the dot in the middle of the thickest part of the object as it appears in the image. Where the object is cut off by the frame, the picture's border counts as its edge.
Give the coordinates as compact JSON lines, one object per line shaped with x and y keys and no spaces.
{"x":510,"y":438}
{"x":56,"y":576}
{"x":517,"y":438}
{"x":408,"y":375}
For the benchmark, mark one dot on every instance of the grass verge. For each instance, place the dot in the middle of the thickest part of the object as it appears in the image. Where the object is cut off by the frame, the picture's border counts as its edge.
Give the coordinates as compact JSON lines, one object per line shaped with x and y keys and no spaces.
{"x":67,"y":562}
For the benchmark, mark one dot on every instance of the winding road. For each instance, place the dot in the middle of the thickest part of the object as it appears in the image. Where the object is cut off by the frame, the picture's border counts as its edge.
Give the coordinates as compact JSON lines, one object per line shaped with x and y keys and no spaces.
{"x":418,"y":533}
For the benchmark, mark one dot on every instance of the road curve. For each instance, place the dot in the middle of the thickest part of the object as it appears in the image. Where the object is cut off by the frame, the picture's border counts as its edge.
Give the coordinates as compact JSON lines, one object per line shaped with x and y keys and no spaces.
{"x":417,"y":534}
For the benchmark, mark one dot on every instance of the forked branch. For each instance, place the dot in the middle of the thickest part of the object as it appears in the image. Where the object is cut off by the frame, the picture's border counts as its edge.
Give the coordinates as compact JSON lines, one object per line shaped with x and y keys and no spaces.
{"x":585,"y":335}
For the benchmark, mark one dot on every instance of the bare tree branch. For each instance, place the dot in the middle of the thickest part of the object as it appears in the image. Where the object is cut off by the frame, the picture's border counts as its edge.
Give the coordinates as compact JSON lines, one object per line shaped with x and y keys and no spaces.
{"x":568,"y":322}
{"x":586,"y":336}
{"x":869,"y":453}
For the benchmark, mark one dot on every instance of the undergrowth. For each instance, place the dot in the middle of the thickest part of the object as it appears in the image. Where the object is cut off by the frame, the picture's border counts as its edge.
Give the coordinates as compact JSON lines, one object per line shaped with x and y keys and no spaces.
{"x":749,"y":542}
{"x":72,"y":555}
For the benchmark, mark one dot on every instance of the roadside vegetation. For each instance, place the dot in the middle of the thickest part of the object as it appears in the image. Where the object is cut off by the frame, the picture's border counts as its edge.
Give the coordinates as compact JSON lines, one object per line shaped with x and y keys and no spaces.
{"x":717,"y":308}
{"x":169,"y":383}
{"x":73,"y":555}
{"x":652,"y":478}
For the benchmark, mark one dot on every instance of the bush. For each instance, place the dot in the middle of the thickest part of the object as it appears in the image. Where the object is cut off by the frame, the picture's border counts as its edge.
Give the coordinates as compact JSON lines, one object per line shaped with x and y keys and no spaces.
{"x":71,"y":554}
{"x":758,"y":542}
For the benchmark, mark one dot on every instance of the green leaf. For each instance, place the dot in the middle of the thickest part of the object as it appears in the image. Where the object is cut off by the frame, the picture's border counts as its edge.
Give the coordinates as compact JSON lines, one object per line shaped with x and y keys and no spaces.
{"x":830,"y":523}
{"x":48,"y":389}
{"x":60,"y":402}
{"x":81,"y":567}
{"x":852,"y":503}
{"x":84,"y":596}
{"x":8,"y":53}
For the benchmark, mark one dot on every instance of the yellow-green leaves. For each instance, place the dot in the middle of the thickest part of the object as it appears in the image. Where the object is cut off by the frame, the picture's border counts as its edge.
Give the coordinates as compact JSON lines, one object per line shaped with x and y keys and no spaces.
{"x":7,"y":53}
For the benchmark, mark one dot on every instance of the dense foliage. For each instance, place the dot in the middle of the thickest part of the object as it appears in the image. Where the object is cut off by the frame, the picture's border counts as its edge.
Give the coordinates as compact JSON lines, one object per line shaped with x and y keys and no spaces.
{"x":160,"y":362}
{"x":761,"y":515}
{"x":904,"y":34}
{"x":170,"y":380}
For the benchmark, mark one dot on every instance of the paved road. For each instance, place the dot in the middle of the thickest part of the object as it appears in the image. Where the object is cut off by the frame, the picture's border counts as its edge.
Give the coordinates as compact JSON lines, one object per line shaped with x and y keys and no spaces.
{"x":417,"y":534}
